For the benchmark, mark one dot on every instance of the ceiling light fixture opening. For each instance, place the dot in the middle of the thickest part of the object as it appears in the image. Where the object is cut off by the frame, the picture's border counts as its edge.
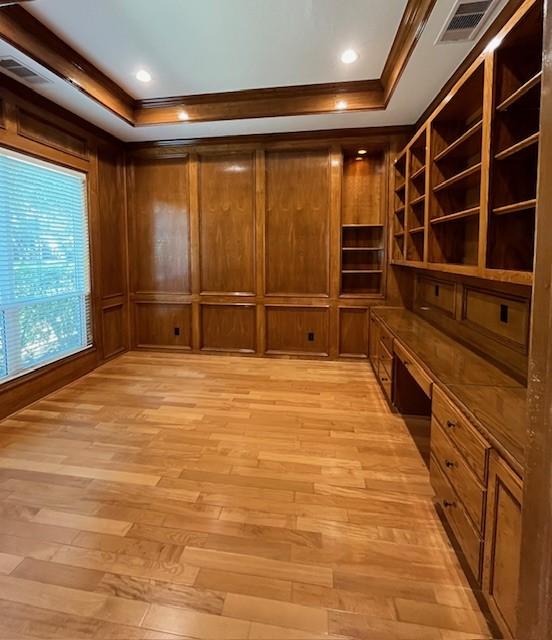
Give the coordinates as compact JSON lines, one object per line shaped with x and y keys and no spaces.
{"x":349,"y":56}
{"x":341,"y":105}
{"x":143,"y":75}
{"x":183,"y":115}
{"x":362,"y":152}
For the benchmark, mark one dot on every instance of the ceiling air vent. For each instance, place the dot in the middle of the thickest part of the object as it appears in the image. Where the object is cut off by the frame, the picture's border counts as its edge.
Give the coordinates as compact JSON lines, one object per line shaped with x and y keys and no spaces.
{"x":466,"y":20}
{"x":20,"y":71}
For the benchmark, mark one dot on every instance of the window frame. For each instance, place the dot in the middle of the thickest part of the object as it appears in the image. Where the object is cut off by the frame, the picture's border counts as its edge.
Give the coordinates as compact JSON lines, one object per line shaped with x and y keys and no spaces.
{"x":45,"y":160}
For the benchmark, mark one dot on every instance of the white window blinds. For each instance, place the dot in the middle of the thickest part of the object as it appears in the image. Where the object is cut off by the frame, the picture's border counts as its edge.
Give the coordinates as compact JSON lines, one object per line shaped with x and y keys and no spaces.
{"x":45,"y":310}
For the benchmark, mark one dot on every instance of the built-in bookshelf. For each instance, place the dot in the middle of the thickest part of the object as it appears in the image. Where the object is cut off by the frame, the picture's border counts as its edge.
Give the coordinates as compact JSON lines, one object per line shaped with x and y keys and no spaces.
{"x":362,"y":230}
{"x":478,"y":180}
{"x":515,"y":144}
{"x":416,"y":197}
{"x":399,"y":208}
{"x":455,"y":205}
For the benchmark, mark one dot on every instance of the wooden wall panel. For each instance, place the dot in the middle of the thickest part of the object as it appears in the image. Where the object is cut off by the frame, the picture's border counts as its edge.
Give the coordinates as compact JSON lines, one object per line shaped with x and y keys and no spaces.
{"x":297,"y":330}
{"x":163,"y":324}
{"x":114,"y":330}
{"x":41,"y":130}
{"x":363,"y":190}
{"x":112,"y":221}
{"x":297,"y":222}
{"x":159,"y":226}
{"x":228,"y":327}
{"x":353,"y":332}
{"x":227,"y":223}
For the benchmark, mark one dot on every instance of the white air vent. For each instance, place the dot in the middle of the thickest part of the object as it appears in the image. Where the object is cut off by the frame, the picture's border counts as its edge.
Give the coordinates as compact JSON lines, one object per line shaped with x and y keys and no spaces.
{"x":466,"y":20}
{"x":20,"y":71}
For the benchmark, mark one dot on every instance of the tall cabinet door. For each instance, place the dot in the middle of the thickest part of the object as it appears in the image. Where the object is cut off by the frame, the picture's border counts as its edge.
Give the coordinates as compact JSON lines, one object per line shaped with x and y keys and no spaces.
{"x":502,"y":543}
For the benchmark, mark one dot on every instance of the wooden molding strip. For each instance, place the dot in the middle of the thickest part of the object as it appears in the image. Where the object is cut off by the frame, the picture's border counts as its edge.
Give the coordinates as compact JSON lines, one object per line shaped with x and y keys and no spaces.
{"x":27,"y":34}
{"x":410,"y":29}
{"x":24,"y":32}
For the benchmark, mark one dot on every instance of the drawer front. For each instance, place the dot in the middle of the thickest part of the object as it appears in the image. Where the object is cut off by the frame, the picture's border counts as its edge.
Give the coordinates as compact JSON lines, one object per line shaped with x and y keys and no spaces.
{"x":468,"y":440}
{"x":455,"y":514}
{"x":386,"y":371}
{"x":459,"y":474}
{"x":384,"y":352}
{"x":386,"y":338}
{"x":415,"y":370}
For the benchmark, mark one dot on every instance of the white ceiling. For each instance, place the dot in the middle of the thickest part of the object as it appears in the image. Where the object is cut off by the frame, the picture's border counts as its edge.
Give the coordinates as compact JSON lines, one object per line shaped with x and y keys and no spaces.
{"x":204,"y":46}
{"x":427,"y":71}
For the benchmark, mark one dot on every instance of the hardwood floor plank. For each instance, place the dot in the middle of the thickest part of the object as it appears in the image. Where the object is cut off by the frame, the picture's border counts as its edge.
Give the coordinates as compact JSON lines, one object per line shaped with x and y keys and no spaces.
{"x":176,"y":496}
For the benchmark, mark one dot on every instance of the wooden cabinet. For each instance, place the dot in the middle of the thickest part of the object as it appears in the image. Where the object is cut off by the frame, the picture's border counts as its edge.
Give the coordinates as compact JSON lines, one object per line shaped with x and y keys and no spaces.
{"x":467,"y":206}
{"x":381,"y":356}
{"x":503,"y":543}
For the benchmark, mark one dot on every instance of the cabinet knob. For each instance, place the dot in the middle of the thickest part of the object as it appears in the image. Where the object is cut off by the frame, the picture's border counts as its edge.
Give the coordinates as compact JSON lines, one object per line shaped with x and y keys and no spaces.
{"x":451,"y":424}
{"x":450,"y":463}
{"x":447,"y":504}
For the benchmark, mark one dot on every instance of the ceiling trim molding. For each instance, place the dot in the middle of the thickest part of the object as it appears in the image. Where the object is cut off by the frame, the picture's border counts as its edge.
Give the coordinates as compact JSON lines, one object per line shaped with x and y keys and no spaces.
{"x":27,"y":34}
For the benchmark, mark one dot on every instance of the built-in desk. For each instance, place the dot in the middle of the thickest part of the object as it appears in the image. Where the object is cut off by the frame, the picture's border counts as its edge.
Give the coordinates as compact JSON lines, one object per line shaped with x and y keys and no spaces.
{"x":493,"y":401}
{"x":478,"y":436}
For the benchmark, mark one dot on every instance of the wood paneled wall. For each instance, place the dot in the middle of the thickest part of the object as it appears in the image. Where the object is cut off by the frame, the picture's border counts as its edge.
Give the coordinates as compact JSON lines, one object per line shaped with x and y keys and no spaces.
{"x":32,"y":125}
{"x":236,"y":247}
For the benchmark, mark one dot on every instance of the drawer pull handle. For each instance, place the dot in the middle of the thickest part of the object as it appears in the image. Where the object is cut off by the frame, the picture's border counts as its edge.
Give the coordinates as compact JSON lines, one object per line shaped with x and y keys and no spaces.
{"x":450,"y":463}
{"x":384,"y":379}
{"x":447,"y":504}
{"x":451,"y":424}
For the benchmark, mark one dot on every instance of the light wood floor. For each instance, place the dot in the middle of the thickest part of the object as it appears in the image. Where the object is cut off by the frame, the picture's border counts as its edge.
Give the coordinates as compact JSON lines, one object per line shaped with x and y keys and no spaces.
{"x":169,"y":496}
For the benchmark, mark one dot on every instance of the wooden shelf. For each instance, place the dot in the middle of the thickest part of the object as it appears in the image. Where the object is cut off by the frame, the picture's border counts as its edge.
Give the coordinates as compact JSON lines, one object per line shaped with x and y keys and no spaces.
{"x":515,"y":207}
{"x":416,"y":230}
{"x":400,"y":187}
{"x":519,"y":146}
{"x":417,"y":173}
{"x":525,"y":88}
{"x":459,"y":141}
{"x":451,"y":217}
{"x":360,"y":226}
{"x":399,"y":234}
{"x":362,"y":248}
{"x":458,"y":177}
{"x":400,"y":210}
{"x":359,"y":271}
{"x":417,"y":200}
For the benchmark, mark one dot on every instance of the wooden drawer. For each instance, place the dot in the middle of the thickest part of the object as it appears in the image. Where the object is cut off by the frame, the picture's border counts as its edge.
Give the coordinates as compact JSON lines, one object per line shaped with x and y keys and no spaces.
{"x":467,"y":537}
{"x":459,"y":474}
{"x":384,"y":352}
{"x":385,"y":371}
{"x":414,"y":369}
{"x":471,"y":444}
{"x":386,"y":338}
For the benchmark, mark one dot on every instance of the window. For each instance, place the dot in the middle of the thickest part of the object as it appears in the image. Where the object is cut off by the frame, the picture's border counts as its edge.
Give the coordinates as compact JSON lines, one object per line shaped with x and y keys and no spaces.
{"x":44,"y":264}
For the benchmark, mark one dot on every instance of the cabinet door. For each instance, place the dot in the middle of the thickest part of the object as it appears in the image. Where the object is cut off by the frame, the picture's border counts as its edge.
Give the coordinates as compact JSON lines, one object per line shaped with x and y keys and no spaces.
{"x":502,"y":543}
{"x":374,"y":343}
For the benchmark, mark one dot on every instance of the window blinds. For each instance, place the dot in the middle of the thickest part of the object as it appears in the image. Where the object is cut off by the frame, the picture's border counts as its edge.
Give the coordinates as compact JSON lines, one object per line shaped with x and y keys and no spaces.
{"x":45,"y":308}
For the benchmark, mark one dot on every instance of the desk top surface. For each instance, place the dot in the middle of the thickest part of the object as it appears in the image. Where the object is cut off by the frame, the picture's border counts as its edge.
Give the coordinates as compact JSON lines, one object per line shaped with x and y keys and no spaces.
{"x":494,"y":401}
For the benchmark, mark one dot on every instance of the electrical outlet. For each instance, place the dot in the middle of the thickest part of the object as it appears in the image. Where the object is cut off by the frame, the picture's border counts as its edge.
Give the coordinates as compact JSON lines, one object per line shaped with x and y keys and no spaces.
{"x":504,"y":313}
{"x":177,"y":331}
{"x":436,"y":290}
{"x":310,"y":336}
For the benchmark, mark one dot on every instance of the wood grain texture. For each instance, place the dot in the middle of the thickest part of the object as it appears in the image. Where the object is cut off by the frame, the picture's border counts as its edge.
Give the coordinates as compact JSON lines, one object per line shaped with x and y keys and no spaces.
{"x":292,"y":330}
{"x":353,"y":332}
{"x":227,"y":223}
{"x":159,"y":226}
{"x":218,"y":497}
{"x":535,"y":615}
{"x":228,"y":327}
{"x":163,"y":324}
{"x":297,"y":222}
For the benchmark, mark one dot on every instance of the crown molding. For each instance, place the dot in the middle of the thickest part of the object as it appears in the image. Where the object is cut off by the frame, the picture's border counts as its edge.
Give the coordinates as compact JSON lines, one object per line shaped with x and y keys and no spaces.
{"x":27,"y":34}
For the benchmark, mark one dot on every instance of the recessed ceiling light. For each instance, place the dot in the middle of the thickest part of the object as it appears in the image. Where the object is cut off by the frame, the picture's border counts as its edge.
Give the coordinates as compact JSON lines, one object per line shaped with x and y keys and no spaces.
{"x":362,"y":152}
{"x":359,"y":158}
{"x":143,"y":75}
{"x":340,"y":105}
{"x":183,"y":115}
{"x":349,"y":56}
